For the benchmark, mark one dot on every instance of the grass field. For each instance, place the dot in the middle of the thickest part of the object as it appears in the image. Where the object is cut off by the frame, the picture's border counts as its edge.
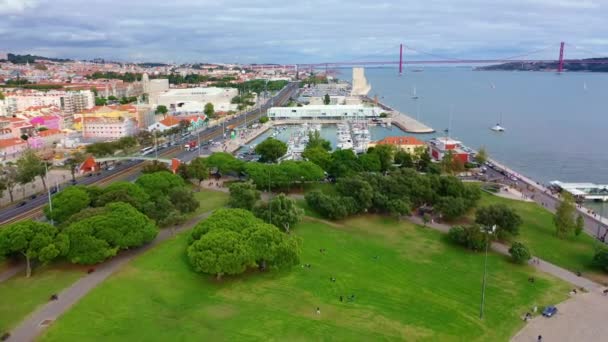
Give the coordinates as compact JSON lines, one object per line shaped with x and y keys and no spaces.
{"x":210,"y":200}
{"x":21,"y":295}
{"x":409,"y":284}
{"x":538,"y":233}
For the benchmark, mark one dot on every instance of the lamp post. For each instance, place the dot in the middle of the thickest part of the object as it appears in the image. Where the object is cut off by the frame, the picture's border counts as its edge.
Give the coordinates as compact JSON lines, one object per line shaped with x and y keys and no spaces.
{"x":48,"y":191}
{"x":485,"y":269}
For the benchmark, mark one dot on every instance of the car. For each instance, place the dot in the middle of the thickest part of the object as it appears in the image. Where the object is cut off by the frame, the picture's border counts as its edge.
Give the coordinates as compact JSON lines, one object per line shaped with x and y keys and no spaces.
{"x":549,"y":311}
{"x":21,"y":204}
{"x":33,"y":196}
{"x":110,"y":168}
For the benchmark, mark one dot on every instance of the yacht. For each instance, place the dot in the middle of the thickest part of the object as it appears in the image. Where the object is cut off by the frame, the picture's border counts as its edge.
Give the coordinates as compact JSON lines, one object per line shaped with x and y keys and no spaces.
{"x":498,"y":128}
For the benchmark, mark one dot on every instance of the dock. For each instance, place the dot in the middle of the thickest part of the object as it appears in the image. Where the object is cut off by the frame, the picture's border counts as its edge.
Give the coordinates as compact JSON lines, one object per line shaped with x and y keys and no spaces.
{"x":405,"y":122}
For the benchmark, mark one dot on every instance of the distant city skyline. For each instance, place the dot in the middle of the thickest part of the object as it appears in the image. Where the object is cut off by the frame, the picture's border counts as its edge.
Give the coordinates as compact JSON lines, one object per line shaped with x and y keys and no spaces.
{"x":270,"y":31}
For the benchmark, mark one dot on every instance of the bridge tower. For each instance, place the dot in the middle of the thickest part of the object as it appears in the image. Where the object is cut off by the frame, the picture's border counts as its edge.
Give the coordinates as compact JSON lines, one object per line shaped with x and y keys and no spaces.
{"x":560,"y":65}
{"x":400,"y":59}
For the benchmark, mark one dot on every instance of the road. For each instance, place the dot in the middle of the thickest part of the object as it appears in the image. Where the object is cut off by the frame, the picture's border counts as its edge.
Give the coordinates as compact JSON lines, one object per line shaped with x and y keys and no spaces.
{"x":33,"y":207}
{"x":593,"y":226}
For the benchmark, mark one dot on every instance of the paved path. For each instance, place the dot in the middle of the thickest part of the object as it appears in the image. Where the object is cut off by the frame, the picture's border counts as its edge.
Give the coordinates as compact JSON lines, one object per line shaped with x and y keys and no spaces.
{"x":31,"y":327}
{"x":12,"y":270}
{"x":541,"y":265}
{"x":580,"y":318}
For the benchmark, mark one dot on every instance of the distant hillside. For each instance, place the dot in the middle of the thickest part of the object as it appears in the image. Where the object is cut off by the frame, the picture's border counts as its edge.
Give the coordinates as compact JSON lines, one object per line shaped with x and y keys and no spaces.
{"x":22,"y":59}
{"x":552,"y":66}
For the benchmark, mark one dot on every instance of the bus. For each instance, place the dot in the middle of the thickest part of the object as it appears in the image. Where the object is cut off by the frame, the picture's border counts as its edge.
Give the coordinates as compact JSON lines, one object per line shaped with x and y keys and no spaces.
{"x":146,"y":150}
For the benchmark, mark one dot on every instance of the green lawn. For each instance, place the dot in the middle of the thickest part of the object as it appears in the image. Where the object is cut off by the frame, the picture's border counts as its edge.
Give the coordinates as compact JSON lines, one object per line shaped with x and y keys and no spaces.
{"x":408,"y":282}
{"x":21,"y":295}
{"x":210,"y":200}
{"x":538,"y":233}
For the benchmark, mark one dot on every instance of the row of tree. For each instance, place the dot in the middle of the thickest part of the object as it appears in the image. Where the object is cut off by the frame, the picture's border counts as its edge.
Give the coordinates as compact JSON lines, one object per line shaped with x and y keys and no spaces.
{"x":161,"y":196}
{"x":88,"y":240}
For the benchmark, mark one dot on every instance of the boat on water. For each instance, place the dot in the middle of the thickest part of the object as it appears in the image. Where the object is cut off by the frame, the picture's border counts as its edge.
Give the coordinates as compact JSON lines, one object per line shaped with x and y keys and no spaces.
{"x":414,"y":95}
{"x":498,"y":128}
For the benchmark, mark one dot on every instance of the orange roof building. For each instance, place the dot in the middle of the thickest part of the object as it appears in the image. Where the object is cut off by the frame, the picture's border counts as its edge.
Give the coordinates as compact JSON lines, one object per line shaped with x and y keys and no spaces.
{"x":408,"y":144}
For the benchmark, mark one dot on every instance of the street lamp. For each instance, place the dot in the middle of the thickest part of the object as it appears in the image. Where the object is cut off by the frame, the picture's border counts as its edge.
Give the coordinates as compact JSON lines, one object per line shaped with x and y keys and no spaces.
{"x":488,"y":231}
{"x":48,"y":191}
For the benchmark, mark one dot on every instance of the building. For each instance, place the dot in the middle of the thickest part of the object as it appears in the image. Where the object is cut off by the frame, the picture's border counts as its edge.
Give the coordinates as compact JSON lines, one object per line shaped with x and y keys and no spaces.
{"x":112,"y":112}
{"x":221,"y":98}
{"x":408,"y":144}
{"x":10,"y":148}
{"x":154,"y":88}
{"x":438,"y":147}
{"x":68,"y":101}
{"x":324,"y":112}
{"x":108,"y":127}
{"x":15,"y":127}
{"x":195,"y":122}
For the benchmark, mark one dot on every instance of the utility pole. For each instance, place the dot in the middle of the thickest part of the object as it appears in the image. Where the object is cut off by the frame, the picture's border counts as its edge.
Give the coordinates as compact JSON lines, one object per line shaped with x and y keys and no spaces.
{"x":155,"y":145}
{"x":48,"y":191}
{"x":485,"y":268}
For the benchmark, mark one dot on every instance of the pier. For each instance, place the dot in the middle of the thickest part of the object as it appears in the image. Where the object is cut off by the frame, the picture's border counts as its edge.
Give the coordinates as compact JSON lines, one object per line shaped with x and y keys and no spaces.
{"x":403,"y":121}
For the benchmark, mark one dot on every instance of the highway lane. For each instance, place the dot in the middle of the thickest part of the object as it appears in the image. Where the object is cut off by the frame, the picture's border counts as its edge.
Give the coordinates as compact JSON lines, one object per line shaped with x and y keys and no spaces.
{"x":31,"y":207}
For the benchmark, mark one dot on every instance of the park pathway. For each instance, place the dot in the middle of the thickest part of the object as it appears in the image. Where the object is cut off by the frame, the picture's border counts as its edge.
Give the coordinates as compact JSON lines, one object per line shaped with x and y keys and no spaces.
{"x":541,"y":265}
{"x":37,"y":321}
{"x":12,"y":270}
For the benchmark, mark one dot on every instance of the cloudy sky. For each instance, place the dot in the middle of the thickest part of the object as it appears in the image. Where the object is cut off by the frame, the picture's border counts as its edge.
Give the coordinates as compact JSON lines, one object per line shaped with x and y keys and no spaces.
{"x":285,"y":31}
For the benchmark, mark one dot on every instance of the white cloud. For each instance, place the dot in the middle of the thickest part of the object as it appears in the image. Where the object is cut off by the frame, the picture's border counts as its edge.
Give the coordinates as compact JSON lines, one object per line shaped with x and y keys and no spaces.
{"x":16,"y":6}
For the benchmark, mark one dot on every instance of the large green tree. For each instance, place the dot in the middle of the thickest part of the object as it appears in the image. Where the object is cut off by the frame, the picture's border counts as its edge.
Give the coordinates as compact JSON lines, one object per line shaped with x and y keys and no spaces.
{"x":30,"y":166}
{"x":198,"y":169}
{"x":161,"y":110}
{"x":243,"y":195}
{"x":125,"y":192}
{"x":386,"y":154}
{"x":99,"y":237}
{"x":280,"y":211}
{"x":507,"y":221}
{"x":564,"y":218}
{"x":209,"y":110}
{"x":220,"y":252}
{"x":319,"y":156}
{"x":268,"y":246}
{"x":10,"y":178}
{"x":183,"y":200}
{"x":159,"y":183}
{"x":224,"y":162}
{"x":67,"y":203}
{"x":35,"y":241}
{"x":316,"y":141}
{"x":270,"y":150}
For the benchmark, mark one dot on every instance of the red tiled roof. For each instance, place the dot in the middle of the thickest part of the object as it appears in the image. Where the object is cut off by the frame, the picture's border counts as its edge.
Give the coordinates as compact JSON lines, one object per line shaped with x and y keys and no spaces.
{"x":399,"y":141}
{"x":49,"y":132}
{"x":4,"y":143}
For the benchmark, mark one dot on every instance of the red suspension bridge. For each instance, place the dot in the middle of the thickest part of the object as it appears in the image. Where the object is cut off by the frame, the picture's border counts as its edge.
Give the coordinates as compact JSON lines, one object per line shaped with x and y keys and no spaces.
{"x":401,"y":61}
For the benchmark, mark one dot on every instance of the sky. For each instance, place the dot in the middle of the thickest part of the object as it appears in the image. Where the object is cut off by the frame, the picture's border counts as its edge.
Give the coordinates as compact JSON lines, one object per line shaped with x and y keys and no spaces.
{"x":316,"y":31}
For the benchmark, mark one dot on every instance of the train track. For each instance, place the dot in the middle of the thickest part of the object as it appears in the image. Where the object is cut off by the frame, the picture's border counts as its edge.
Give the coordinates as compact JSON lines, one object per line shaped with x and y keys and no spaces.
{"x":123,"y":174}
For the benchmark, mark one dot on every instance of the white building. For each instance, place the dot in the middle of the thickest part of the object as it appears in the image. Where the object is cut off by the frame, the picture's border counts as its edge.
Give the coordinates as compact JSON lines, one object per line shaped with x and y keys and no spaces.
{"x":324,"y":112}
{"x":219,"y":97}
{"x":109,"y":128}
{"x":69,"y":101}
{"x":154,"y":88}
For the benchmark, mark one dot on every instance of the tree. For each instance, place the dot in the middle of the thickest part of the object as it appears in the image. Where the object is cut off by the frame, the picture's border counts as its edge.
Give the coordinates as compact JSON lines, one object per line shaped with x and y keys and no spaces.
{"x":471,"y":237}
{"x":161,"y":110}
{"x":370,"y":162}
{"x":357,"y":188}
{"x":404,"y":159}
{"x":331,"y":207}
{"x":99,"y":237}
{"x":423,"y":159}
{"x":67,"y":203}
{"x":219,"y":252}
{"x":268,"y":246}
{"x":198,"y":169}
{"x":34,"y":241}
{"x":385,"y":154}
{"x":319,"y":156}
{"x":155,"y":166}
{"x":263,"y":119}
{"x":564,"y":216}
{"x":507,"y":221}
{"x":10,"y":178}
{"x":481,"y":156}
{"x":270,"y":150}
{"x":326,"y":99}
{"x":343,"y":163}
{"x":224,"y":162}
{"x":29,"y":167}
{"x":125,"y":192}
{"x":315,"y":140}
{"x":280,"y":211}
{"x":600,"y":259}
{"x":183,"y":200}
{"x":74,"y":162}
{"x":159,"y":183}
{"x":100,"y":101}
{"x":1,"y":96}
{"x":451,"y":207}
{"x":243,"y":195}
{"x":209,"y":110}
{"x":580,"y":225}
{"x":112,"y":98}
{"x":520,"y":253}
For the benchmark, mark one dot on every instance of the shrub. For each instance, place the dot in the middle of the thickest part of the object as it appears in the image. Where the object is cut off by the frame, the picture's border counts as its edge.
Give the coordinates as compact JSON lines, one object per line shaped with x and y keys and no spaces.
{"x":520,"y":253}
{"x":470,"y":237}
